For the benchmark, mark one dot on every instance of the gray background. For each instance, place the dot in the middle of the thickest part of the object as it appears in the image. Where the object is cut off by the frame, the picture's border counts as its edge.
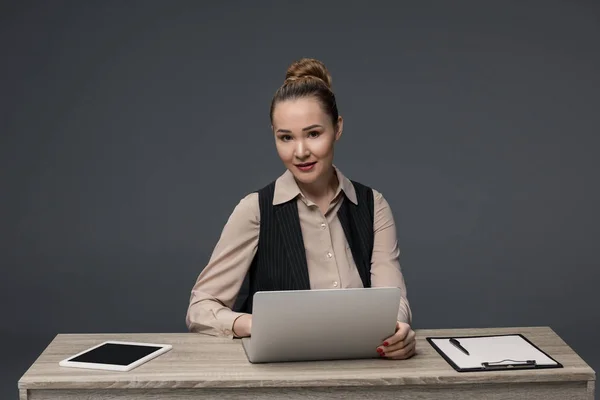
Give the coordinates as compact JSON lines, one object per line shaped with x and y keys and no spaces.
{"x":130,"y":130}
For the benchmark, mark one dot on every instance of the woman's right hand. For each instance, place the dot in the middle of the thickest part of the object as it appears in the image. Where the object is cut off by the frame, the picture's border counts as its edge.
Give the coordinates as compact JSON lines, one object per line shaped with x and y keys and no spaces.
{"x":242,"y":326}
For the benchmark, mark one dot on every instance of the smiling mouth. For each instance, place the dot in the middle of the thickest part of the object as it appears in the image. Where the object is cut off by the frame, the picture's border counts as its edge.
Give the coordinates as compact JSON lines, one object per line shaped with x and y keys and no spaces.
{"x":304,"y":165}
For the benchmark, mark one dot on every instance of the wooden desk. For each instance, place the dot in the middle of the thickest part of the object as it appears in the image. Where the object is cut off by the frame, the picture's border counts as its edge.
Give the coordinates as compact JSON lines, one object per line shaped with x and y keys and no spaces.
{"x":203,"y":367}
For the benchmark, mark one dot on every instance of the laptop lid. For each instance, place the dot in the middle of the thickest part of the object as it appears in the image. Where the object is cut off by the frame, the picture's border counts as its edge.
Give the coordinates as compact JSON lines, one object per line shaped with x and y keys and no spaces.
{"x":321,"y":324}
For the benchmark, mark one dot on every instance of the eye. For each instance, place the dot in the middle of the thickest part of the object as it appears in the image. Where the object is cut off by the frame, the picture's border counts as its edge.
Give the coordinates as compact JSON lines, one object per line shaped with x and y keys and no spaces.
{"x":285,"y":138}
{"x":314,"y":134}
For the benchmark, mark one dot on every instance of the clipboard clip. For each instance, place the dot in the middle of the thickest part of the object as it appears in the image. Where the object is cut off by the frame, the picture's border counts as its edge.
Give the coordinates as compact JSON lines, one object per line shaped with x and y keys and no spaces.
{"x":509,"y":364}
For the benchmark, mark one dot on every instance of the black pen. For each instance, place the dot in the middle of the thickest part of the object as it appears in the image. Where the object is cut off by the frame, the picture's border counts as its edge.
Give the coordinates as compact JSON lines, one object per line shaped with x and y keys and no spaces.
{"x":457,"y":344}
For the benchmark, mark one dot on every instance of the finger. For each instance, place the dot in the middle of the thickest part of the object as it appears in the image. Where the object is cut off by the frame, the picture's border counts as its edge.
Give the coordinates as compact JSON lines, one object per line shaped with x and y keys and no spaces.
{"x":397,"y":349}
{"x":402,"y":330}
{"x":403,"y":353}
{"x":410,"y":354}
{"x":400,"y":344}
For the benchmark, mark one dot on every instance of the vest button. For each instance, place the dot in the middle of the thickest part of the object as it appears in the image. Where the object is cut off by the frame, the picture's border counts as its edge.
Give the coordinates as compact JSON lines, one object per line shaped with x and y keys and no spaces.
{"x":335,"y":284}
{"x":329,"y":255}
{"x":323,"y":226}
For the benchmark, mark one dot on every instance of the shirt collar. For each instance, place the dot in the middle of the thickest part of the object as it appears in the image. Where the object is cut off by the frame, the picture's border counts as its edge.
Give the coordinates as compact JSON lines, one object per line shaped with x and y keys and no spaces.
{"x":287,"y":189}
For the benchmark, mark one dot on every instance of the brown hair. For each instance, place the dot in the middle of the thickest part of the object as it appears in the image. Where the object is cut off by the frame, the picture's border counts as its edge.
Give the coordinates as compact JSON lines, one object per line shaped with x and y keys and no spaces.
{"x":305,"y":78}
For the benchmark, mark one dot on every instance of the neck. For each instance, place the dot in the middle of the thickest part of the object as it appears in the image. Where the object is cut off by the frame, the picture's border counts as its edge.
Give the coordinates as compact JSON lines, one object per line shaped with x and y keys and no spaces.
{"x":322,"y":188}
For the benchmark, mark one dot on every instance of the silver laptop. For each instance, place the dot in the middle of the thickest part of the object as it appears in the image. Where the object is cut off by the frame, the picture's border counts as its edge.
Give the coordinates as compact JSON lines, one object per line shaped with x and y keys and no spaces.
{"x":321,"y":324}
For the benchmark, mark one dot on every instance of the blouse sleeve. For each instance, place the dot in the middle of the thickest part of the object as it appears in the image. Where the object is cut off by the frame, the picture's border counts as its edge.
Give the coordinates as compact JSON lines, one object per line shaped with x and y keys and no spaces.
{"x":217,"y":286}
{"x":385,"y":264}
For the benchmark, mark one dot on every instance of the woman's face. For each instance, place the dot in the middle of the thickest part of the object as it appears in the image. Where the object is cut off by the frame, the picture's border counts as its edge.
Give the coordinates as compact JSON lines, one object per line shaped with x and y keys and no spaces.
{"x":305,"y":137}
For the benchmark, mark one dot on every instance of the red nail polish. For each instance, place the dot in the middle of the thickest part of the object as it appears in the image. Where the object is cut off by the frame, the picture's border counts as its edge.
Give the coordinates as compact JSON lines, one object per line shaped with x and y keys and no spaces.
{"x":379,"y":350}
{"x":386,"y":344}
{"x":382,"y":354}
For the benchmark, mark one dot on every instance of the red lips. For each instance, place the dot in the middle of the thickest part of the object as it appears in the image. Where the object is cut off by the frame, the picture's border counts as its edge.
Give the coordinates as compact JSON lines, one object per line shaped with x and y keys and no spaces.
{"x":306,"y":166}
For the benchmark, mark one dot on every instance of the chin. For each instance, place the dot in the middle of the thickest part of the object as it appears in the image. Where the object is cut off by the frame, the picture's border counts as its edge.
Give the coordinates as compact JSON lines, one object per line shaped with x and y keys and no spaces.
{"x":306,"y":178}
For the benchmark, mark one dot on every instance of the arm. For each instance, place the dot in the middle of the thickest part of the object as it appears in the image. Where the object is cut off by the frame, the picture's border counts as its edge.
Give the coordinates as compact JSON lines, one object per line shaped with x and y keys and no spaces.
{"x":385,"y":271}
{"x":385,"y":265}
{"x":217,"y":286}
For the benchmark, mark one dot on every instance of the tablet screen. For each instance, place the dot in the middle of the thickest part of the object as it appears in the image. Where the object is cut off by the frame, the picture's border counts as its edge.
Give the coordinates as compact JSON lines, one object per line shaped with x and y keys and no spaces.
{"x":116,"y":354}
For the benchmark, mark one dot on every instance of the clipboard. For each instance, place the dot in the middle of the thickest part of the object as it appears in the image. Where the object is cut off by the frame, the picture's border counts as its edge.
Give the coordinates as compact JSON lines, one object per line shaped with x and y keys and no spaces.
{"x":504,"y":352}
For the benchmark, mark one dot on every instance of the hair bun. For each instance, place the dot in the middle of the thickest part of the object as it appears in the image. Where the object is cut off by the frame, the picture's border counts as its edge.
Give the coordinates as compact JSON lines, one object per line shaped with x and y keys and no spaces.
{"x":307,"y":68}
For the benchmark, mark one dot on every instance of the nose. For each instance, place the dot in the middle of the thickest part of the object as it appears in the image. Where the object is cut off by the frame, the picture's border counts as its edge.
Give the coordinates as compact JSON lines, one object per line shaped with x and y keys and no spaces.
{"x":302,"y":151}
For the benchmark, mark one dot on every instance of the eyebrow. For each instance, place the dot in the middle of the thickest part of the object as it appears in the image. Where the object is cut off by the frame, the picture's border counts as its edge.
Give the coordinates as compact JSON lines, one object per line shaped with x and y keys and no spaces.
{"x":303,"y":129}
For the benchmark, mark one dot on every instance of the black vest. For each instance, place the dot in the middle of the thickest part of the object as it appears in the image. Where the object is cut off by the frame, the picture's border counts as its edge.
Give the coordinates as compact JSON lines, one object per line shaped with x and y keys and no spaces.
{"x":280,"y":260}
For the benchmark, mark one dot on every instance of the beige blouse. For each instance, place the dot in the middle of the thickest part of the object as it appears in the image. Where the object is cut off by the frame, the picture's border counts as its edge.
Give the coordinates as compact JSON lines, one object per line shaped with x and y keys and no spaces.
{"x":329,"y":258}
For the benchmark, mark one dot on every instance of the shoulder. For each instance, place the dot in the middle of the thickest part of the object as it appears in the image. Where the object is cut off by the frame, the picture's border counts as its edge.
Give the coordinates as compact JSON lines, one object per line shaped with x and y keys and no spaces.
{"x":379,"y":200}
{"x":359,"y":186}
{"x":383,"y":215}
{"x":372,"y":196}
{"x":366,"y":191}
{"x":249,"y":206}
{"x":246,"y":210}
{"x":378,"y":196}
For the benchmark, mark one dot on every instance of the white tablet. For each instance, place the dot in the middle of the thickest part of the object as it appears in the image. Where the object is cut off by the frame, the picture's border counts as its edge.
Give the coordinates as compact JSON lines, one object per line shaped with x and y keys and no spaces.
{"x":116,"y":355}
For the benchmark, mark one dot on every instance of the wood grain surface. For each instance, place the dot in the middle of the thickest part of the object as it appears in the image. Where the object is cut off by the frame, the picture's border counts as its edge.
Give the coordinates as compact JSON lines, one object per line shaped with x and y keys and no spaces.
{"x":220,"y":367}
{"x":517,"y":391}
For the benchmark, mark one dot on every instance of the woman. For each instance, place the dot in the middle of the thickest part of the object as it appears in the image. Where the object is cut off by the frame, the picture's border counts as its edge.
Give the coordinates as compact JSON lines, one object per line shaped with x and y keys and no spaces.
{"x":338,"y":233}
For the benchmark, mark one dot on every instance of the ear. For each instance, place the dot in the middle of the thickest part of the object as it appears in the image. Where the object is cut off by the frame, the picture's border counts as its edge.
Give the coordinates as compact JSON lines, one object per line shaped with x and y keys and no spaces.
{"x":340,"y":128}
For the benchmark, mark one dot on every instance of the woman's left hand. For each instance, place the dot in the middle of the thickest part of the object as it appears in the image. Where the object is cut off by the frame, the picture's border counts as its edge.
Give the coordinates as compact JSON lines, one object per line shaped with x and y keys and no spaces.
{"x":400,"y":345}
